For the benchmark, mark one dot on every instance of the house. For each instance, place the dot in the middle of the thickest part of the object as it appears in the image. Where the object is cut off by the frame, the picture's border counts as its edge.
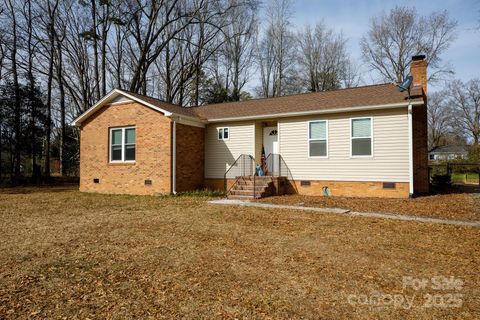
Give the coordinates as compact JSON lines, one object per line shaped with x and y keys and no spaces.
{"x":364,"y":141}
{"x":445,"y":153}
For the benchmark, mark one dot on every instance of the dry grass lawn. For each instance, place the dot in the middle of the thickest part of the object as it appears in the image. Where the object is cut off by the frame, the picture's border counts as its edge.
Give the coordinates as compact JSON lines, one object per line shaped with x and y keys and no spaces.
{"x":456,"y":206}
{"x":64,"y":254}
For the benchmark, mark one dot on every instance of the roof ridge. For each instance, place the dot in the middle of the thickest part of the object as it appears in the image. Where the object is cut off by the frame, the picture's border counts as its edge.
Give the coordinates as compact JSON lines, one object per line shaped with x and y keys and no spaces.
{"x":295,"y":94}
{"x":260,"y":98}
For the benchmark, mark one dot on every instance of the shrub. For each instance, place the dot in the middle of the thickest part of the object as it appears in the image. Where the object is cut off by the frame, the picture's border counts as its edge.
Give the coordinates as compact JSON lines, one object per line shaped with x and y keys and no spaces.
{"x":442,"y":180}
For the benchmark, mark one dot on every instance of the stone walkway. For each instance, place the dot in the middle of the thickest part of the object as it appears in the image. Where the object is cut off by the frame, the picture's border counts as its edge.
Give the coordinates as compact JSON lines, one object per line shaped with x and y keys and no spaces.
{"x":392,"y":216}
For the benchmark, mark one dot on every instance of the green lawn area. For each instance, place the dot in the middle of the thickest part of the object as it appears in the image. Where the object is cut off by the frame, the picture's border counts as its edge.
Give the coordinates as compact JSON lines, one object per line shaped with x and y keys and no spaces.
{"x":65,"y":254}
{"x":470,"y":177}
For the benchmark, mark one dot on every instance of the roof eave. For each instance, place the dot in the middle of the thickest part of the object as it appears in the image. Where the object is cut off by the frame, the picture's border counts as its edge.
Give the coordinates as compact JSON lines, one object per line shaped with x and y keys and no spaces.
{"x":322,"y":111}
{"x":78,"y":121}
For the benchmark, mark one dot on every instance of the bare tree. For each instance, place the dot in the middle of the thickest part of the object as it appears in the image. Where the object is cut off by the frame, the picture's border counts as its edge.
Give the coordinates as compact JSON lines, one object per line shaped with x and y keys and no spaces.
{"x":323,"y":58}
{"x":2,"y":44}
{"x":266,"y":62}
{"x":464,"y":98}
{"x":2,"y":59}
{"x":50,"y":25}
{"x":439,"y":118}
{"x":60,"y":34}
{"x":236,"y":54}
{"x":276,"y":49}
{"x":14,"y":70}
{"x":146,"y":27}
{"x":115,"y":49}
{"x":94,"y":35}
{"x":31,"y":45}
{"x":395,"y":37}
{"x":351,"y":75}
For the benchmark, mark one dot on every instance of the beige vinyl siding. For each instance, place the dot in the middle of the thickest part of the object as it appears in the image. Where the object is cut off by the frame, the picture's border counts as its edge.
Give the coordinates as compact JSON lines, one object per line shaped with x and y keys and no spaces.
{"x":390,"y":148}
{"x":220,"y":154}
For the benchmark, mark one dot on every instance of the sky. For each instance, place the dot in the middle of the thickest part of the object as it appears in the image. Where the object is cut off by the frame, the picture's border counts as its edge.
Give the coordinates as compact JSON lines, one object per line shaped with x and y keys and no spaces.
{"x":352,"y":17}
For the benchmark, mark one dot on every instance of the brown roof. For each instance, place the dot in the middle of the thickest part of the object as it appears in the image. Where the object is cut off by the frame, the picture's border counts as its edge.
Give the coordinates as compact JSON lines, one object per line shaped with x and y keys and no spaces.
{"x":335,"y":99}
{"x":372,"y":95}
{"x":165,"y":105}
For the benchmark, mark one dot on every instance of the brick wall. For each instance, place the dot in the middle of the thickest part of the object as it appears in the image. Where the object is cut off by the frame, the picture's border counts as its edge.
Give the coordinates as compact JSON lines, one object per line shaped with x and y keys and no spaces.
{"x":420,"y":149}
{"x":153,"y":152}
{"x":190,"y":158}
{"x":354,"y":189}
{"x":336,"y":188}
{"x":418,"y":69}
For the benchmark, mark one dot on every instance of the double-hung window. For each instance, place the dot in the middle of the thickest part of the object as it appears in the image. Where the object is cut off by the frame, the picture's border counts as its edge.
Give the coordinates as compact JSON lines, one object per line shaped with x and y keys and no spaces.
{"x":361,"y":137}
{"x":122,"y":144}
{"x":223,"y":133}
{"x":318,"y":138}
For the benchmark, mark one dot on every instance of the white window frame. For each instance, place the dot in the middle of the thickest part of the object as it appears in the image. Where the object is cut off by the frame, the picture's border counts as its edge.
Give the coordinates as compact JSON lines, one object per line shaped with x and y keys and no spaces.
{"x":123,"y":145}
{"x":309,"y":139}
{"x":352,"y":138}
{"x":223,"y":133}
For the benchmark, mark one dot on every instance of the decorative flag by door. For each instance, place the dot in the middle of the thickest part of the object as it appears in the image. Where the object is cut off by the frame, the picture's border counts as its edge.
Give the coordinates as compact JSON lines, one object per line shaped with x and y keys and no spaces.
{"x":264,"y":161}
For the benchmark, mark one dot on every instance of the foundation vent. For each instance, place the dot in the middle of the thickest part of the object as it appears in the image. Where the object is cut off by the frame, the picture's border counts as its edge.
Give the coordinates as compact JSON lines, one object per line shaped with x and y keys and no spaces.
{"x":148,"y":182}
{"x":389,"y":185}
{"x":96,"y":180}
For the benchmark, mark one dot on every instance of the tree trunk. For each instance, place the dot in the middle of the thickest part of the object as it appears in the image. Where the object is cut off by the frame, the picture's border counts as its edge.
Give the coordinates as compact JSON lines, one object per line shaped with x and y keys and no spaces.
{"x":1,"y":149}
{"x":31,"y":80}
{"x":17,"y":111}
{"x":105,"y":27}
{"x":62,"y":106}
{"x":49,"y":95}
{"x":95,"y":49}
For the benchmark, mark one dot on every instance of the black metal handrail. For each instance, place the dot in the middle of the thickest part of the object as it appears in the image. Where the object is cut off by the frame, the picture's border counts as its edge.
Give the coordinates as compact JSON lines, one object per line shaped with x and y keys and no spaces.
{"x":275,"y":166}
{"x":244,"y":165}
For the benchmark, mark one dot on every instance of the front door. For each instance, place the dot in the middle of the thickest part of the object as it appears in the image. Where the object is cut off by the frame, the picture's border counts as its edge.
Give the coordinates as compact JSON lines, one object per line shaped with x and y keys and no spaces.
{"x":270,"y":143}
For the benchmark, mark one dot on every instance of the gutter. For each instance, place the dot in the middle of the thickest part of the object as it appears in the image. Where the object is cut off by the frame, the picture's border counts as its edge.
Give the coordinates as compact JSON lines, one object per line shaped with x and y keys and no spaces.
{"x":410,"y":151}
{"x":313,"y":112}
{"x":174,"y":156}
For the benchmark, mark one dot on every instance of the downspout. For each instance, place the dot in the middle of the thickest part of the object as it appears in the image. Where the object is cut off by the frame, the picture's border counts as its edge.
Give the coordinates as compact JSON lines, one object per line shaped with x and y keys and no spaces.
{"x":174,"y":156}
{"x":410,"y":151}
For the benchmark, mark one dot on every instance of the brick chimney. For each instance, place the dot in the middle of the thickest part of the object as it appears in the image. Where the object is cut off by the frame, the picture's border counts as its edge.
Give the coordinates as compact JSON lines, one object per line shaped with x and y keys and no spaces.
{"x":418,"y":69}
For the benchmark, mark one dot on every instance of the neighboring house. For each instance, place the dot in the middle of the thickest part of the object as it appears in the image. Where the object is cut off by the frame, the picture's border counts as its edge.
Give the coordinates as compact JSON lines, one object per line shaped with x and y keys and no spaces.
{"x":365,"y":141}
{"x":445,"y":153}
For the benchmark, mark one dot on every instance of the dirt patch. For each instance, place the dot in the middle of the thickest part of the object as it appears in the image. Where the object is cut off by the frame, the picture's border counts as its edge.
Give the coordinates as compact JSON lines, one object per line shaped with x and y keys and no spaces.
{"x":74,"y":255}
{"x":455,"y":206}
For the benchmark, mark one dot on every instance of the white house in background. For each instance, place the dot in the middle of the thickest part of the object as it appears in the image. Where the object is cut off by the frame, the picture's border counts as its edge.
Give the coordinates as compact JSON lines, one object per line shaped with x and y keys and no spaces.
{"x":445,"y":153}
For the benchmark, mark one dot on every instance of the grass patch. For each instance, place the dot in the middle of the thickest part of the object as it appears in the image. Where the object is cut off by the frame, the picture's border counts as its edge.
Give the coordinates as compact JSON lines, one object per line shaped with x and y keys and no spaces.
{"x":456,"y":206}
{"x":65,"y":254}
{"x":201,"y":193}
{"x":470,"y":177}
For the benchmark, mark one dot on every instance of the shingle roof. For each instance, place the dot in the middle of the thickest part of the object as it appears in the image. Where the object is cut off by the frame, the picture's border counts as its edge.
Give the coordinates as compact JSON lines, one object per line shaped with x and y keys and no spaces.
{"x":372,"y":95}
{"x":335,"y":99}
{"x":165,"y":105}
{"x":449,"y":149}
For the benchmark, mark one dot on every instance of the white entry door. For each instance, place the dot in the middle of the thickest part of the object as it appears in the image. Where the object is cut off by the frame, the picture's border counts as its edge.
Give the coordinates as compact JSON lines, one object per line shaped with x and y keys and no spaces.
{"x":270,"y":143}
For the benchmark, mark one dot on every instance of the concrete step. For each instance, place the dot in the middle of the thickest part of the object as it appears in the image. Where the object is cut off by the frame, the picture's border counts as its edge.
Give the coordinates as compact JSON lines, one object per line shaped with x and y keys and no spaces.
{"x":237,"y":197}
{"x":249,"y":187}
{"x":257,"y":178}
{"x":246,"y":193}
{"x":245,"y":186}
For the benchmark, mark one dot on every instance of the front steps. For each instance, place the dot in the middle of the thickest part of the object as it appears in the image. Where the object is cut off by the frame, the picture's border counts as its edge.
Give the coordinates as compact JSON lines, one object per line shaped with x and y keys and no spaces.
{"x":243,"y":189}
